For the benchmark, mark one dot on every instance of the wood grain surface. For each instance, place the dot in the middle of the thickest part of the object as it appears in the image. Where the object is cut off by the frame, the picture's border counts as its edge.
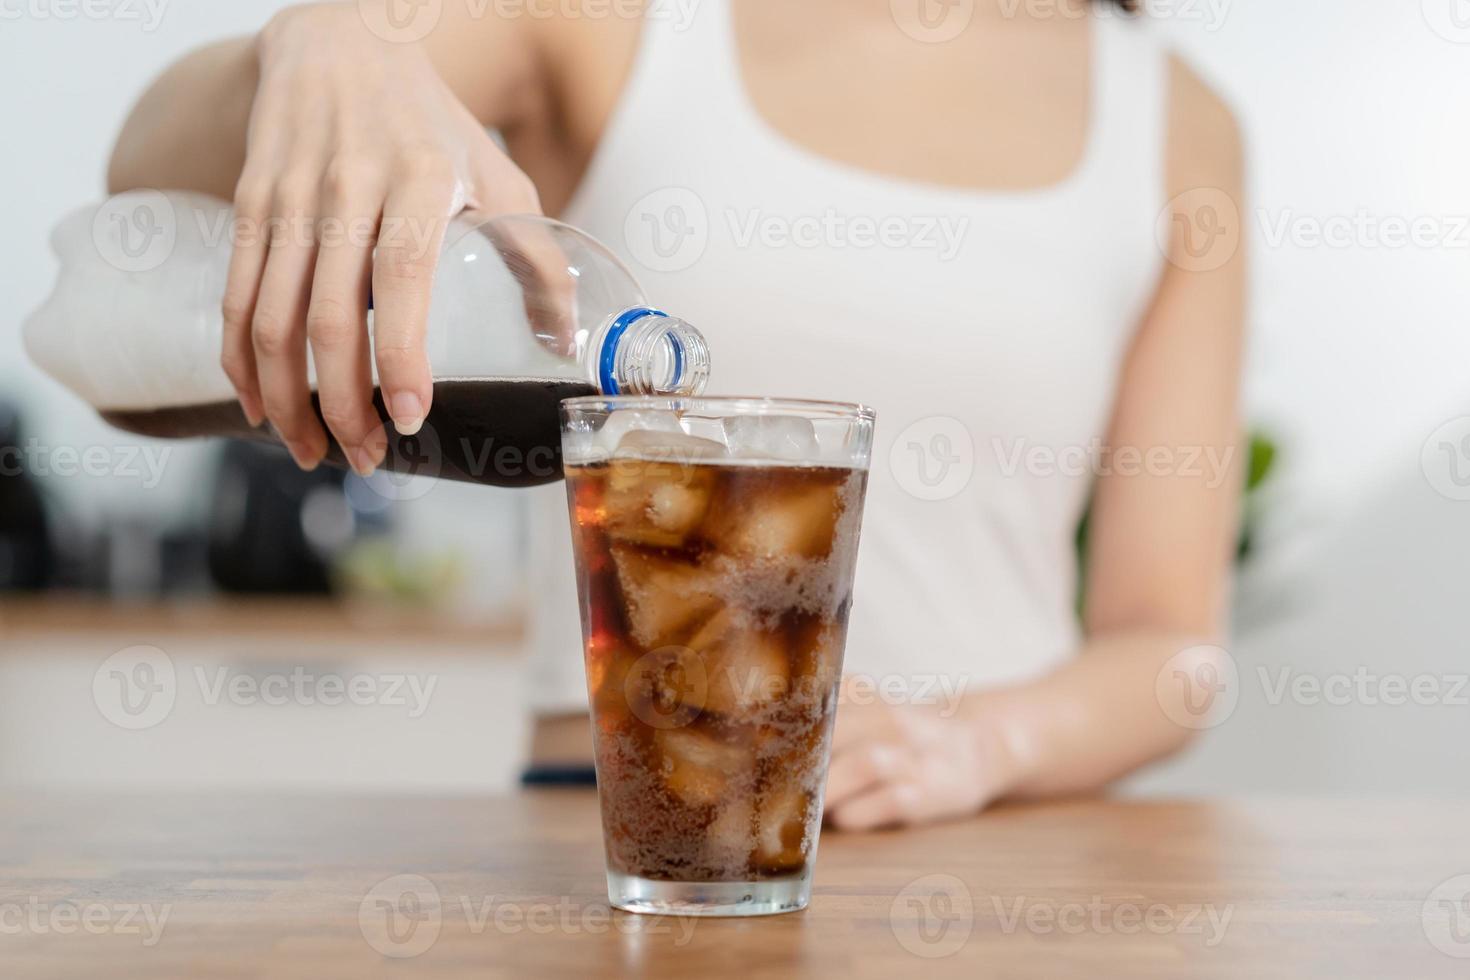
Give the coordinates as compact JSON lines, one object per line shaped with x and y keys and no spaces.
{"x":52,"y":616}
{"x":237,"y":887}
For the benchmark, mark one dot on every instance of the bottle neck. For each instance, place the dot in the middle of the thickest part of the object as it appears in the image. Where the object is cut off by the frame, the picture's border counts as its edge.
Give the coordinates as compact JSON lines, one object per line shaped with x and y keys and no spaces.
{"x":643,"y":351}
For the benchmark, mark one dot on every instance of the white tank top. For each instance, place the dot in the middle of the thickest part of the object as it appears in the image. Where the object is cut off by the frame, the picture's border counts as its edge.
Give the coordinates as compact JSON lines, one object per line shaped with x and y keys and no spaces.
{"x":987,"y":329}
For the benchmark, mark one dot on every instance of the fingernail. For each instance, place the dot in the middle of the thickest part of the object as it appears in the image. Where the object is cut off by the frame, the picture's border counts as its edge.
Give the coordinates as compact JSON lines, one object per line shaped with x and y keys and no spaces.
{"x":408,"y":412}
{"x":363,"y":462}
{"x":303,"y":454}
{"x":370,"y":455}
{"x":254,"y":414}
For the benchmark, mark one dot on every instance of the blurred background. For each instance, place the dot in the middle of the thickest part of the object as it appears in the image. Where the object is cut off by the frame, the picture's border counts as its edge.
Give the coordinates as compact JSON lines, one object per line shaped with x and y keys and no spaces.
{"x":1357,"y":119}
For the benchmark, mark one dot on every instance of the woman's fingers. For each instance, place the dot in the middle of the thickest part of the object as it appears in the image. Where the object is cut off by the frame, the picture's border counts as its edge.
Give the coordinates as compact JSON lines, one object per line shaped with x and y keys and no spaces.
{"x":278,"y":332}
{"x":247,"y":263}
{"x":883,"y":783}
{"x":860,"y":769}
{"x":415,"y":217}
{"x":886,"y":805}
{"x":336,"y":320}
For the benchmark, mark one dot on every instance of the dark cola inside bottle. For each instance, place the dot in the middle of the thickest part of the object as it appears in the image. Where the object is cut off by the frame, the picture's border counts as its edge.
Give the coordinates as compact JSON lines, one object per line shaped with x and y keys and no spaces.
{"x":525,"y":312}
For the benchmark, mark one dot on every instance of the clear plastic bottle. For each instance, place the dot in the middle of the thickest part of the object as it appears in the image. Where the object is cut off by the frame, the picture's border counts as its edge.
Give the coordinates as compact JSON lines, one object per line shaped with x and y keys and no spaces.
{"x":526,"y":311}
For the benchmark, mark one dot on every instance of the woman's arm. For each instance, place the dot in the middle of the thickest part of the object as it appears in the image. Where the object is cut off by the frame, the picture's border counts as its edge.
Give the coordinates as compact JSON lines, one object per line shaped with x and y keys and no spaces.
{"x":188,"y":129}
{"x":187,"y":132}
{"x":1160,"y":546}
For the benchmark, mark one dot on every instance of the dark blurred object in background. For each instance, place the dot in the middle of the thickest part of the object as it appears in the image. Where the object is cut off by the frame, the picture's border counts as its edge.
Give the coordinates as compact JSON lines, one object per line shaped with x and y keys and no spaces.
{"x":27,"y":559}
{"x":273,"y":528}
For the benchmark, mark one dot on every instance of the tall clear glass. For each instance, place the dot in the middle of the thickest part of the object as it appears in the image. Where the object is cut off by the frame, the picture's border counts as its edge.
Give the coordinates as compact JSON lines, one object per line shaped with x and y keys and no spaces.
{"x":715,"y":541}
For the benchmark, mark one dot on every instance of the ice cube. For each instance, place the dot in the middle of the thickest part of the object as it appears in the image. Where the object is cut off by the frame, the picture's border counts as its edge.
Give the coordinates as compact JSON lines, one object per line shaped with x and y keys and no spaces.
{"x":665,"y":599}
{"x":731,"y":835}
{"x":620,"y":423}
{"x":781,"y":827}
{"x":698,"y":768}
{"x":819,"y":656}
{"x":677,"y":446}
{"x":745,"y":668}
{"x":796,"y":522}
{"x":771,"y":437}
{"x":656,"y":503}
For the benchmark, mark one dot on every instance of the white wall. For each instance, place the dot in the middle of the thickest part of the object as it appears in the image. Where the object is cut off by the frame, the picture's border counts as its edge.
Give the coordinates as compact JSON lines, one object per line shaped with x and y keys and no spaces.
{"x":1350,"y":107}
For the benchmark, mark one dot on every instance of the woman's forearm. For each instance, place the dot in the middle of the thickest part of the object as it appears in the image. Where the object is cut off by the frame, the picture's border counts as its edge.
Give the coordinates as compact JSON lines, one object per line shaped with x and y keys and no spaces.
{"x":187,"y":132}
{"x":1099,"y":717}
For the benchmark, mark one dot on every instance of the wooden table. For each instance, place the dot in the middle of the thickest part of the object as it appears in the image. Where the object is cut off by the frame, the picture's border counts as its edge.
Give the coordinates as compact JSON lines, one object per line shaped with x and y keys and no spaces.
{"x":512,"y":887}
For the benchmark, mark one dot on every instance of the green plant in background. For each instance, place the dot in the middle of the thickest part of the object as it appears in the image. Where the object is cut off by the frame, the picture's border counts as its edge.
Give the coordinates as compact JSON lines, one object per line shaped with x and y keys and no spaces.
{"x":1259,"y":464}
{"x":1258,"y":467}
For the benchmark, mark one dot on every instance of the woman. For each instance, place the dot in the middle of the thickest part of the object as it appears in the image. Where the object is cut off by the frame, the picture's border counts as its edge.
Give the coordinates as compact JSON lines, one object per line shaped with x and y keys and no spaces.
{"x":948,"y":213}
